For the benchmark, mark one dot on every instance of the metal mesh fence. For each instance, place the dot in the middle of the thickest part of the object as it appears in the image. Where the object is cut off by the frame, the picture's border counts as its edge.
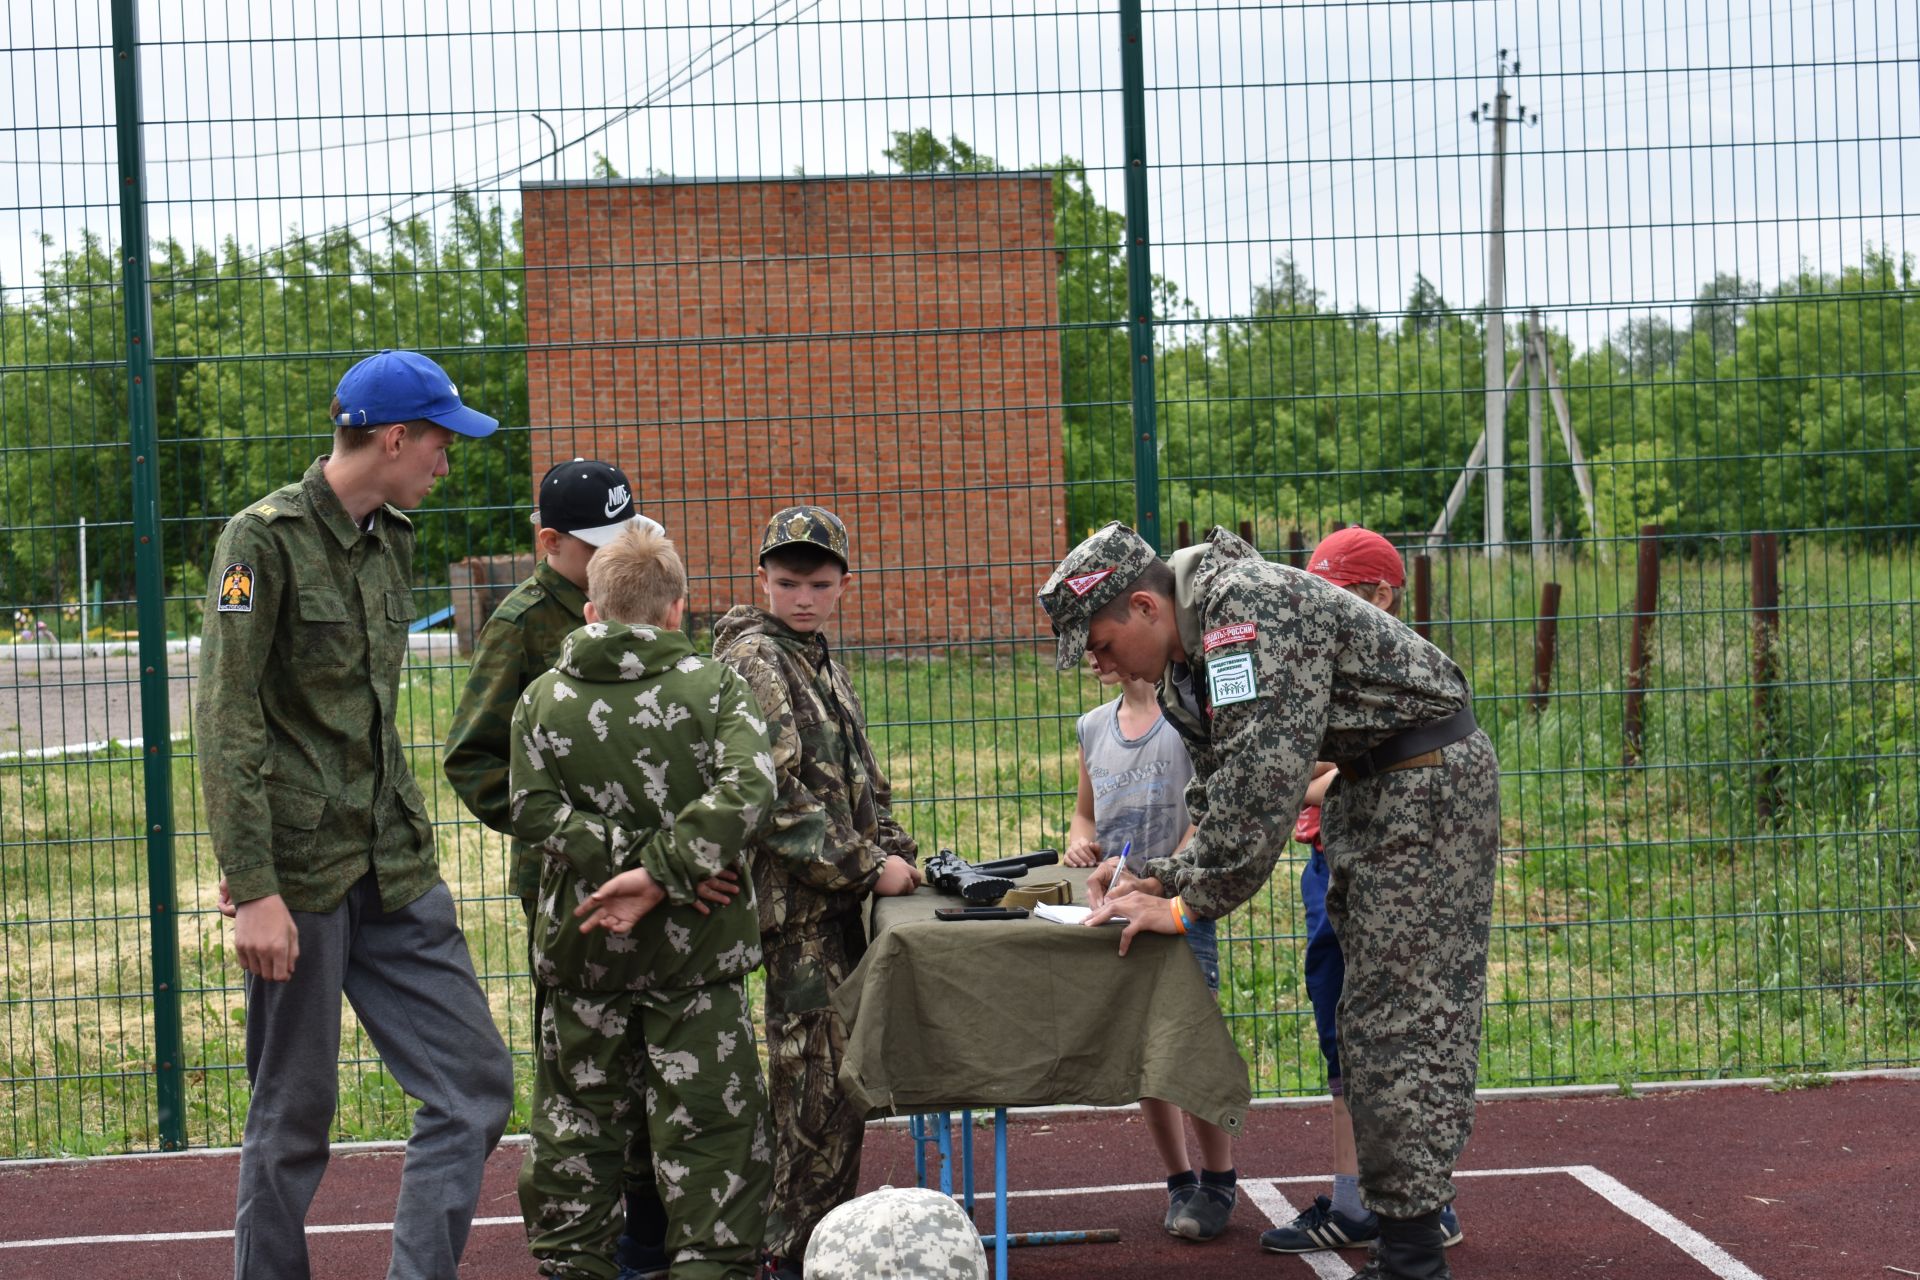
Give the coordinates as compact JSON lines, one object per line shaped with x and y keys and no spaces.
{"x":980,"y":280}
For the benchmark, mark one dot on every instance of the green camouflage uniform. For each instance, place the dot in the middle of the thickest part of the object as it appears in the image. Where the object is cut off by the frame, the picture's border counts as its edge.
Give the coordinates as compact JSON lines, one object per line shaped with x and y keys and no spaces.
{"x":520,"y":641}
{"x":1282,"y":669}
{"x":309,"y":796}
{"x":814,"y":865}
{"x":635,"y":752}
{"x":305,"y":637}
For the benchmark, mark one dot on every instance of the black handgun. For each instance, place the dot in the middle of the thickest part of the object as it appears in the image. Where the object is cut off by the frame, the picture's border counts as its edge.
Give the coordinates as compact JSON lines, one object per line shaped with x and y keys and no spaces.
{"x":987,"y":882}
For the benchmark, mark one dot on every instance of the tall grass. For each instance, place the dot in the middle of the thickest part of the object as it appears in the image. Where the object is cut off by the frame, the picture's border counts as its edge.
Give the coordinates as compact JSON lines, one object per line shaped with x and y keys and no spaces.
{"x":1650,"y":922}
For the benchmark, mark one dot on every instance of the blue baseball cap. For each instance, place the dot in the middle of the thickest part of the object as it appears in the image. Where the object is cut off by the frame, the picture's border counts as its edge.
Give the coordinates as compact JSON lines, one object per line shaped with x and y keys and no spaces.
{"x":402,"y":386}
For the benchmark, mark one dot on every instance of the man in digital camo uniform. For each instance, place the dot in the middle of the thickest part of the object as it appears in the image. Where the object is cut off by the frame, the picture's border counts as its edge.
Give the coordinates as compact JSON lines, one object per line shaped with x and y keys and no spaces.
{"x":1265,"y":669}
{"x":830,"y":843}
{"x":323,"y":836}
{"x":639,"y":771}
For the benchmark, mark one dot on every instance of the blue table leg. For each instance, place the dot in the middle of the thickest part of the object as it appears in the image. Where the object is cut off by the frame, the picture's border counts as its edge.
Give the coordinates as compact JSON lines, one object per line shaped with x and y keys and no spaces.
{"x":946,"y":1153}
{"x":1000,"y":1193}
{"x":917,"y":1127}
{"x":966,"y":1156}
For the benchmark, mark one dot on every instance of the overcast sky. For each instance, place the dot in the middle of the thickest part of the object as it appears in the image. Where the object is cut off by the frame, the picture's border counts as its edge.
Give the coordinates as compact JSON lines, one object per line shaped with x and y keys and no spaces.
{"x":1675,"y":140}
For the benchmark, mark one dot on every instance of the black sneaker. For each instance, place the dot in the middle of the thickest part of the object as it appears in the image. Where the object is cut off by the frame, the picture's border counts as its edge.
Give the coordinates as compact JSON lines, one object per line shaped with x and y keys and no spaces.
{"x":1205,"y":1214}
{"x":1321,"y":1226}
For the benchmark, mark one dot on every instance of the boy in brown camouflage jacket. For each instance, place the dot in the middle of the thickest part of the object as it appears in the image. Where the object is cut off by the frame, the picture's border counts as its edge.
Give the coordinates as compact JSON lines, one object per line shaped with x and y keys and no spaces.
{"x":829,"y":844}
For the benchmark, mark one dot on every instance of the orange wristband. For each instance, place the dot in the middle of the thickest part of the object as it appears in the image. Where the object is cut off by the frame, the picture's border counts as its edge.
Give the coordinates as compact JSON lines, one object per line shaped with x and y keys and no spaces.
{"x":1179,"y":914}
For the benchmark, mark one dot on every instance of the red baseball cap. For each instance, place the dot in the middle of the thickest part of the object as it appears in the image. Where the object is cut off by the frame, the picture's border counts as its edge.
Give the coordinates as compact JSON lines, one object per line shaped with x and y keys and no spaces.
{"x":1357,"y":555}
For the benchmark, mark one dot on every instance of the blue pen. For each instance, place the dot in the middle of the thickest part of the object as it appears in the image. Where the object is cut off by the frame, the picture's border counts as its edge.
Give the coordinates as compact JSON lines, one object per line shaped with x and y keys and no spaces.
{"x":1125,"y":849}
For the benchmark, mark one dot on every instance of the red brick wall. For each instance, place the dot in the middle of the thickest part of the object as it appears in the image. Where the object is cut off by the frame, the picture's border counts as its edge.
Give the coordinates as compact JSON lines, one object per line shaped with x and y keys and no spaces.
{"x":880,"y":346}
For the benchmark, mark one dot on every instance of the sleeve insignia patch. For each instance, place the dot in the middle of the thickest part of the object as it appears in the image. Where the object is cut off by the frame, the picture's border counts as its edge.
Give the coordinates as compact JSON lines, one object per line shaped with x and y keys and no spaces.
{"x":1237,"y":633}
{"x":236,"y":589}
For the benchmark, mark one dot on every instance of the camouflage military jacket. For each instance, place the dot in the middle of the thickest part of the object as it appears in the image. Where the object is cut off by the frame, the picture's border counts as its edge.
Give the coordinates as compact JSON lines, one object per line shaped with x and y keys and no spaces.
{"x":301,"y":767}
{"x":635,"y":752}
{"x":520,"y":641}
{"x":1282,"y":669}
{"x":833,"y":826}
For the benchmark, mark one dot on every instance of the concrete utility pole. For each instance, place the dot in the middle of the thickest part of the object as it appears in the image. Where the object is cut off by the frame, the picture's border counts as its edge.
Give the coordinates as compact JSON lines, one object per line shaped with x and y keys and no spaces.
{"x":1496,"y":460}
{"x":1536,"y":455}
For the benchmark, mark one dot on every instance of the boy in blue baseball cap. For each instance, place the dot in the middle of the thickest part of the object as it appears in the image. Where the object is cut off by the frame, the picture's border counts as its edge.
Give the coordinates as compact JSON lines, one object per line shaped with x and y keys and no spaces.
{"x":323,"y":836}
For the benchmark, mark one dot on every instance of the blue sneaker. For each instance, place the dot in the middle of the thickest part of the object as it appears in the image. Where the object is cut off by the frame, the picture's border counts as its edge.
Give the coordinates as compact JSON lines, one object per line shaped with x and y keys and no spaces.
{"x":641,"y":1261}
{"x":1321,"y":1226}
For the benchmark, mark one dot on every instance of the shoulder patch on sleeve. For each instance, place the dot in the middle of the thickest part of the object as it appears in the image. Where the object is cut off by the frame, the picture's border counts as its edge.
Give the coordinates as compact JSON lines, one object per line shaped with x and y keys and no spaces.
{"x":519,"y":601}
{"x":236,"y":589}
{"x":1233,"y":633}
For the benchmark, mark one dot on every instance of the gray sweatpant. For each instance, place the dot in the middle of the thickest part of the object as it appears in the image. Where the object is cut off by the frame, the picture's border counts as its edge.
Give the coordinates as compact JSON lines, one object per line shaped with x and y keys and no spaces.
{"x":411,"y":982}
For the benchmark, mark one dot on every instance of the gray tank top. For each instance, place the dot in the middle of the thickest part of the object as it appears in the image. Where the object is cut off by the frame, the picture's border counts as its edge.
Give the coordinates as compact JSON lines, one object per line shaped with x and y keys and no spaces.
{"x":1139,"y":784}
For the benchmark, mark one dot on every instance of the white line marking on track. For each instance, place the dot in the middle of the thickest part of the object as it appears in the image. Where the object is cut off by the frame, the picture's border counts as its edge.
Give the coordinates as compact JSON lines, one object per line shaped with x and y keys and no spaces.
{"x":1634,"y":1205}
{"x":170,"y":1237}
{"x":1326,"y":1264}
{"x":1263,"y":1192}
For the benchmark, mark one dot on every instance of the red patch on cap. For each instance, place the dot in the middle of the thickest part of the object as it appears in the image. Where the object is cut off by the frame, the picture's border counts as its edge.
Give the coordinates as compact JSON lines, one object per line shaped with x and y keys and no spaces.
{"x":1235,"y":633}
{"x":1088,"y":581}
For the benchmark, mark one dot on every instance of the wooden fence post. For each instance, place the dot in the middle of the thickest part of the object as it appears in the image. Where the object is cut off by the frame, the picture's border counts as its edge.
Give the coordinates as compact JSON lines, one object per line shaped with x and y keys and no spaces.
{"x":1545,"y":635}
{"x":1646,"y":601}
{"x":1296,"y":549}
{"x":1183,"y":535}
{"x":1423,"y":596}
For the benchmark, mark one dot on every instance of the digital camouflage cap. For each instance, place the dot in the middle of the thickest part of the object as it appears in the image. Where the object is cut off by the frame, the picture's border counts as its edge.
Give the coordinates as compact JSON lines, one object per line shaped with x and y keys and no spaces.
{"x":1092,"y":575}
{"x":896,"y":1233}
{"x":814,"y":526}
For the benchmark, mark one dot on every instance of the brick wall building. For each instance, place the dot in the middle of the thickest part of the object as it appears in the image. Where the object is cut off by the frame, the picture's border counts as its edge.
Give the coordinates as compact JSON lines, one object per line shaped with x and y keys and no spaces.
{"x":883,"y":346}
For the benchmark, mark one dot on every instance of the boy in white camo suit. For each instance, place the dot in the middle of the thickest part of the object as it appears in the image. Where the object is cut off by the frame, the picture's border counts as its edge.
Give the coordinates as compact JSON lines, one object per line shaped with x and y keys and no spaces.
{"x":640,"y":770}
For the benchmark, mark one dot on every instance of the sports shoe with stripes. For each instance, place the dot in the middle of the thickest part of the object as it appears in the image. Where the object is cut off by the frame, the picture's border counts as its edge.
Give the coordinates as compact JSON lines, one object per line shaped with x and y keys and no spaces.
{"x":1321,"y":1226}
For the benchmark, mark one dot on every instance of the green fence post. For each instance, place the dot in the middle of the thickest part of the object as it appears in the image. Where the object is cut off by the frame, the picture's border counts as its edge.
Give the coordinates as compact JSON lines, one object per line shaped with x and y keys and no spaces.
{"x":150,"y":582}
{"x":1146,"y":434}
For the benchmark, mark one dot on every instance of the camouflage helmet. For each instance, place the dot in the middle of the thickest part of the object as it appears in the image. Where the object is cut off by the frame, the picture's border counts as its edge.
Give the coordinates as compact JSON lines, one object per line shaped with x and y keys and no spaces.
{"x":815,"y":526}
{"x":896,"y":1233}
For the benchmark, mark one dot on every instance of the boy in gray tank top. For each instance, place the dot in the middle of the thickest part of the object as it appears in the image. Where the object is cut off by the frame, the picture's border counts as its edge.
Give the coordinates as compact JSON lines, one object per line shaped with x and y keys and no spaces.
{"x":1134,"y":771}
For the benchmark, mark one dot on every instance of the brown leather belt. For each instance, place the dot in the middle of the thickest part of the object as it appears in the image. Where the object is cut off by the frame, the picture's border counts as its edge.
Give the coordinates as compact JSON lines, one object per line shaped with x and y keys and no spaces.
{"x":1410,"y":748}
{"x":1422,"y":761}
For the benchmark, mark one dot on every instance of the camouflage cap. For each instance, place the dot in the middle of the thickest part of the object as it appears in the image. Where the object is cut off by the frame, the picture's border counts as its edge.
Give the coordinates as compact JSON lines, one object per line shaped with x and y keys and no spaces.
{"x":814,"y":525}
{"x":1093,"y":573}
{"x":896,"y":1233}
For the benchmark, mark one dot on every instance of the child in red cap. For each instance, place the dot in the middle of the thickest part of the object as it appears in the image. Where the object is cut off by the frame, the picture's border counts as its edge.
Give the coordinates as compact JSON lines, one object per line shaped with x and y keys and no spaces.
{"x":1367,"y":565}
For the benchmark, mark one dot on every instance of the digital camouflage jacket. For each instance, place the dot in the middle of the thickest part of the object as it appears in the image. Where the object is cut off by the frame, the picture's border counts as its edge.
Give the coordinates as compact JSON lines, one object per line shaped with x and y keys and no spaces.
{"x":636,"y":752}
{"x":1283,"y":668}
{"x":832,"y":827}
